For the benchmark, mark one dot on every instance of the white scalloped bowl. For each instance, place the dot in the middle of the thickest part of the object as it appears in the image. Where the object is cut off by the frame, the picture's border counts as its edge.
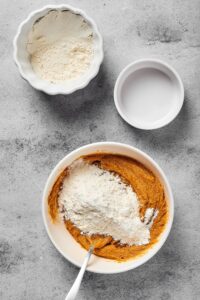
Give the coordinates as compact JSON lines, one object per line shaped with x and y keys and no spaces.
{"x":21,"y":56}
{"x":62,"y":239}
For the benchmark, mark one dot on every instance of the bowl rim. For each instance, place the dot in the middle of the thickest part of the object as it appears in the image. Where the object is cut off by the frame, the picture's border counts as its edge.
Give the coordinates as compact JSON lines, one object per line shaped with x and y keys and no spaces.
{"x":57,"y":89}
{"x":165,"y":233}
{"x":122,"y":78}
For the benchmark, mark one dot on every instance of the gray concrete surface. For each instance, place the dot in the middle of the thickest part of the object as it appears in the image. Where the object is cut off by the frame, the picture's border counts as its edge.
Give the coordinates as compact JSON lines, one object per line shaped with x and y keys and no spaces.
{"x":37,"y":130}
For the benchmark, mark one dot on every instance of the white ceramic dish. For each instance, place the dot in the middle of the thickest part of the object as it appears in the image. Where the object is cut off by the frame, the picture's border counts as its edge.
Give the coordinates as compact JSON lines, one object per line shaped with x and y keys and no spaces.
{"x":62,"y":239}
{"x":148,"y":94}
{"x":22,"y":60}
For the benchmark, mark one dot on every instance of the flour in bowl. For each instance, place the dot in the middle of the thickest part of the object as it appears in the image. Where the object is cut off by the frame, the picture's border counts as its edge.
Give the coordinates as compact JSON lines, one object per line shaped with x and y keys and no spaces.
{"x":60,"y":46}
{"x":99,"y":202}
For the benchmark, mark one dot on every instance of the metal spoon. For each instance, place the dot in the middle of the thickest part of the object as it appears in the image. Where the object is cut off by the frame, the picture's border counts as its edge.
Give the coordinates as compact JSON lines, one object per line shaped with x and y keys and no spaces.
{"x":76,"y":285}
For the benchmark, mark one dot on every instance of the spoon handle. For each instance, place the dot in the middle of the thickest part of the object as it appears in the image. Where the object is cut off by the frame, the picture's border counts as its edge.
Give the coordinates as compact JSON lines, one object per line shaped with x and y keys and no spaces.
{"x":75,"y":287}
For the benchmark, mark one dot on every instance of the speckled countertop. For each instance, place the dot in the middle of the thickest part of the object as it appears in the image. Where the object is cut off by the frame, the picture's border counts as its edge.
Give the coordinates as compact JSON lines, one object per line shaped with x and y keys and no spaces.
{"x":37,"y":130}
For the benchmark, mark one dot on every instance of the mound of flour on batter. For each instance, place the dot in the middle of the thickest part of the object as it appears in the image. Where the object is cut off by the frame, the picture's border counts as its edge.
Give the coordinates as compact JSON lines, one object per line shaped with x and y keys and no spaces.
{"x":99,"y":202}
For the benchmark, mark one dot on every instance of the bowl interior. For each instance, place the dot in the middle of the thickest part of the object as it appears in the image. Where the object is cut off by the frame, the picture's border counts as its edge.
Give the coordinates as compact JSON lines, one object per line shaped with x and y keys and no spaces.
{"x":148,"y":94}
{"x":65,"y":243}
{"x":22,"y":58}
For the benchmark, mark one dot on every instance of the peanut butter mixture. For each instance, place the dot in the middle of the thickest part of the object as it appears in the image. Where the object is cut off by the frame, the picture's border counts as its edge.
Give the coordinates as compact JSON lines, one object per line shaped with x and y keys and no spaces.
{"x":150,"y":194}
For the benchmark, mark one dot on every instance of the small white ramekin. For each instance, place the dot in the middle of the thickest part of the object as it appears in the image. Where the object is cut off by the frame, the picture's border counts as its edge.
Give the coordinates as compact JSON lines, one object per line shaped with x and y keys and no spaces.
{"x":21,"y":56}
{"x":62,"y":239}
{"x":127,"y":79}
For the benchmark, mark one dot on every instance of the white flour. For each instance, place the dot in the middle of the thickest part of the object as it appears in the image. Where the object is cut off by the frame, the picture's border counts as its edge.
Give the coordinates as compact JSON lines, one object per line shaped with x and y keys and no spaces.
{"x":60,"y":46}
{"x":97,"y":201}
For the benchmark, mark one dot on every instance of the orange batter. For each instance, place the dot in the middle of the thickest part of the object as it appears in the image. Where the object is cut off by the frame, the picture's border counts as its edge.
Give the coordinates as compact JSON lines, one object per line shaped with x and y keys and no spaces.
{"x":150,"y":194}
